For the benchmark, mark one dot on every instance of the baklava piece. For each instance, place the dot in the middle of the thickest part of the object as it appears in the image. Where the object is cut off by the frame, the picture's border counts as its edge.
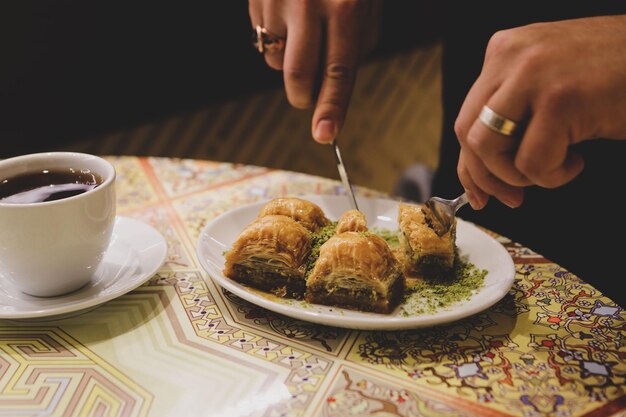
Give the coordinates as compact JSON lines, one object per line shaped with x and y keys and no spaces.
{"x":352,"y":221}
{"x":308,"y":214}
{"x":356,"y":270}
{"x":425,"y":252}
{"x":270,"y":255}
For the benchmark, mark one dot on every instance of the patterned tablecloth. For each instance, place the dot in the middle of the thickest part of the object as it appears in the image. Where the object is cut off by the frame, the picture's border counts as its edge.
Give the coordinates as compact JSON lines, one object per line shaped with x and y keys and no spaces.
{"x":180,"y":346}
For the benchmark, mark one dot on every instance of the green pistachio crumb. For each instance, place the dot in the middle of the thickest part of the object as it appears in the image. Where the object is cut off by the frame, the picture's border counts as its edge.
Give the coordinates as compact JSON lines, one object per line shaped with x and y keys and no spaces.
{"x":390,"y":236}
{"x":433,"y":294}
{"x":317,"y":240}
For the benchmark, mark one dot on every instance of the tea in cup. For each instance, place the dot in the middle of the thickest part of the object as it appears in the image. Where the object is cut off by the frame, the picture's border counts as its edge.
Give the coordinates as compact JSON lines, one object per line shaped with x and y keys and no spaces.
{"x":57,"y":211}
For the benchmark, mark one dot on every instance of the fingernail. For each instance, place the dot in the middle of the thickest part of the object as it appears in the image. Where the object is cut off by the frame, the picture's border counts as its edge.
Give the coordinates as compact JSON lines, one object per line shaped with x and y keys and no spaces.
{"x":325,"y":131}
{"x":510,"y":203}
{"x":473,"y":200}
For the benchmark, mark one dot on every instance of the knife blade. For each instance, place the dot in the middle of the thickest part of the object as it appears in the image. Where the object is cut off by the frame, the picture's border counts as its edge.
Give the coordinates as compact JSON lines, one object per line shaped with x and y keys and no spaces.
{"x":344,"y":176}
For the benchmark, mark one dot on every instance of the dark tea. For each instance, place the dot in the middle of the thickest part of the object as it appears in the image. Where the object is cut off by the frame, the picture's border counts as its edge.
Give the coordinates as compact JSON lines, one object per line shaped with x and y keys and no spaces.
{"x":47,"y":185}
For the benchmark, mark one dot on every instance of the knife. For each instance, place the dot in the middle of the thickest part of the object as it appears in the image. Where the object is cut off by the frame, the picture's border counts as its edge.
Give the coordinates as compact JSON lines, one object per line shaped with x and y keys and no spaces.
{"x":344,"y":176}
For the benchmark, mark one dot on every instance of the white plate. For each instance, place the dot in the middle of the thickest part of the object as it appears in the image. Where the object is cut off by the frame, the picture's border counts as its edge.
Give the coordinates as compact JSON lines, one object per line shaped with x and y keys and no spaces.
{"x":135,"y":253}
{"x":481,"y":249}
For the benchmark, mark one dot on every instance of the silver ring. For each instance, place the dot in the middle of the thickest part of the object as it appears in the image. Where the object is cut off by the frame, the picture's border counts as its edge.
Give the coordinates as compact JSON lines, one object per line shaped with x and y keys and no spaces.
{"x":497,"y":123}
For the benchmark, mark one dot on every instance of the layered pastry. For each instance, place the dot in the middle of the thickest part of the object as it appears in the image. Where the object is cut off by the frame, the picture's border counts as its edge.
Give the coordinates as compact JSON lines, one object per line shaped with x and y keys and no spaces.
{"x":352,"y":221}
{"x":425,"y":253}
{"x":356,"y":270}
{"x":270,"y":254}
{"x":308,"y":214}
{"x":293,"y":250}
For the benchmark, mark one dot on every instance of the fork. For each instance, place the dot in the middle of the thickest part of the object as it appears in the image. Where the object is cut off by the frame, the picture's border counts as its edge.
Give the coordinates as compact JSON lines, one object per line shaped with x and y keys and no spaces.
{"x":444,"y":211}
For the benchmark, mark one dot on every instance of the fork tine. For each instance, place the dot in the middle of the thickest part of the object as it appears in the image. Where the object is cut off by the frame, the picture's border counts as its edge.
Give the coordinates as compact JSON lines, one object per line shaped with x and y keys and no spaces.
{"x":444,"y":211}
{"x":441,"y":223}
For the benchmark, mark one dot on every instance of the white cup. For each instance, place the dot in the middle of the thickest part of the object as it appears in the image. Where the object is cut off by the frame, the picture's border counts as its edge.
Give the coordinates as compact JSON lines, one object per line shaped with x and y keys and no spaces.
{"x":54,"y":247}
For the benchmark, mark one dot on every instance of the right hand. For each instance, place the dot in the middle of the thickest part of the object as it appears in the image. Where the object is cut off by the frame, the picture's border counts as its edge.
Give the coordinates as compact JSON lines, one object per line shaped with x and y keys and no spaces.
{"x":566,"y":80}
{"x":325,"y":40}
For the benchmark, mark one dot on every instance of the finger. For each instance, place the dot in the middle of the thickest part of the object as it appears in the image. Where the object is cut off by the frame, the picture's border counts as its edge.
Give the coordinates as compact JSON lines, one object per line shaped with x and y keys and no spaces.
{"x":255,"y":10}
{"x":544,"y":155}
{"x":496,"y":150}
{"x":510,"y":195}
{"x":274,"y":23}
{"x":302,"y":56}
{"x":478,"y":95}
{"x":477,"y":197}
{"x":339,"y":71}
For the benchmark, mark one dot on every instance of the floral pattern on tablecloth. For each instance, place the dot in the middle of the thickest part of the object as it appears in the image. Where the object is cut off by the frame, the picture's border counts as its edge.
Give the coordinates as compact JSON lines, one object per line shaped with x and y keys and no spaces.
{"x":137,"y":189}
{"x":356,"y":393}
{"x":554,"y":346}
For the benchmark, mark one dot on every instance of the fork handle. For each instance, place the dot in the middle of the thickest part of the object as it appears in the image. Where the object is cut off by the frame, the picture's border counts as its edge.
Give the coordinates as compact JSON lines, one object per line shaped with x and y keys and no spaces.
{"x":460,"y":201}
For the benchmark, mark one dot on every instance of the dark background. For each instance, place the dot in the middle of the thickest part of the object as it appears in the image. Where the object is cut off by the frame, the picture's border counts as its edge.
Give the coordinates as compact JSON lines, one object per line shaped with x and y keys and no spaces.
{"x":72,"y":69}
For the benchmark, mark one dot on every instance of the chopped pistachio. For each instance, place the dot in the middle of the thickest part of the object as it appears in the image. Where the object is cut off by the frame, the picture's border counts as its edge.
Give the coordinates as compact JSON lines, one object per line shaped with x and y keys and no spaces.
{"x":433,"y":294}
{"x":390,"y":236}
{"x":317,"y":240}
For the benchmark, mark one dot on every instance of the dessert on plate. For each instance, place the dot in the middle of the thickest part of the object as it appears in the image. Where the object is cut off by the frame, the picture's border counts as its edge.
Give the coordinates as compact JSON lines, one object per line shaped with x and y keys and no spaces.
{"x":293,"y":250}
{"x":358,"y":271}
{"x":425,"y":252}
{"x":270,"y":254}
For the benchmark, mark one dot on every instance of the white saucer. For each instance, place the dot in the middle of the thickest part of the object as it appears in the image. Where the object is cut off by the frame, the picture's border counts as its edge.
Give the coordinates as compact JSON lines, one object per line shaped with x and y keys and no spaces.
{"x":136,"y":252}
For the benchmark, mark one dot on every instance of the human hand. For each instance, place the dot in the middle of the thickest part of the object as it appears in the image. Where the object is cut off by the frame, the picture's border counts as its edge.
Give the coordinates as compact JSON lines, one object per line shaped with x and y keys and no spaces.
{"x":566,"y":81}
{"x":325,"y":39}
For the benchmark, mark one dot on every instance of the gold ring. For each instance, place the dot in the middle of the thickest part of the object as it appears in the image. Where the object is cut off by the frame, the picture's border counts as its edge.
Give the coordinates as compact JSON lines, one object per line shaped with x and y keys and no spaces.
{"x":498,"y":123}
{"x":265,"y":41}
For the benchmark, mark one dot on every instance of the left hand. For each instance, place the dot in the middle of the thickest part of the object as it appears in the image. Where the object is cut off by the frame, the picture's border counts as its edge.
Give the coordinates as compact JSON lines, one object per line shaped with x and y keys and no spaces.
{"x":566,"y":81}
{"x":325,"y":40}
